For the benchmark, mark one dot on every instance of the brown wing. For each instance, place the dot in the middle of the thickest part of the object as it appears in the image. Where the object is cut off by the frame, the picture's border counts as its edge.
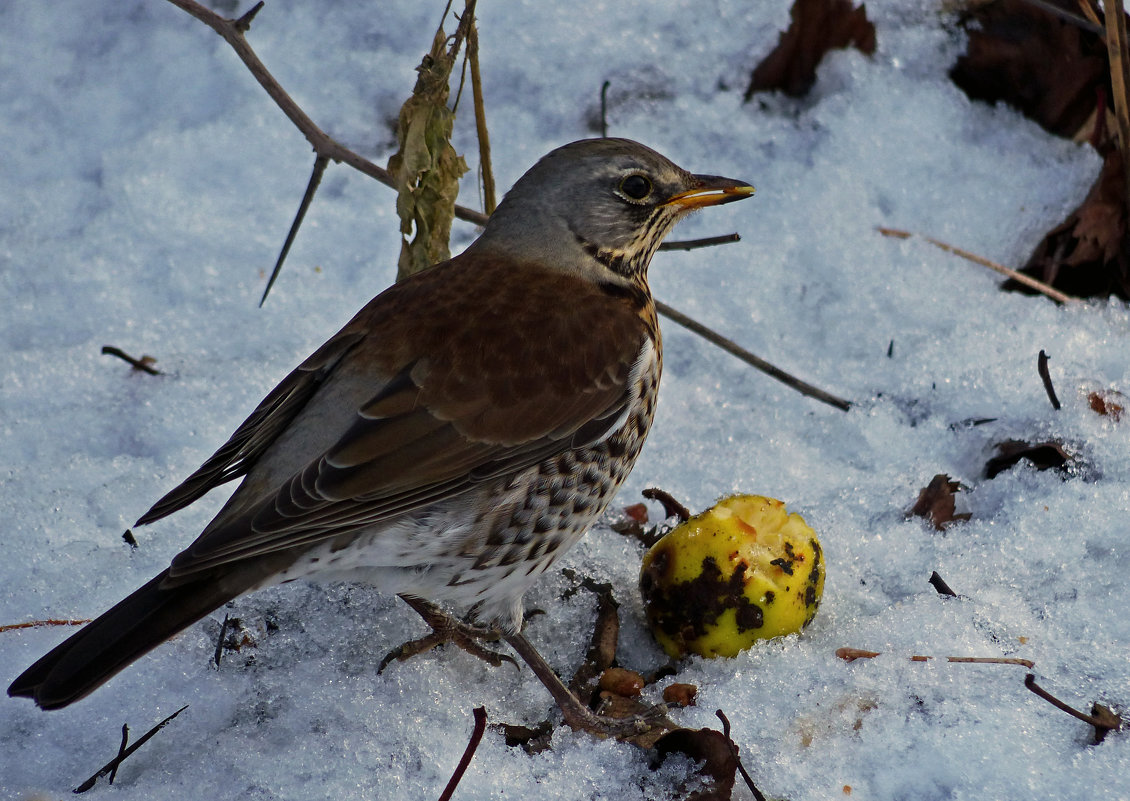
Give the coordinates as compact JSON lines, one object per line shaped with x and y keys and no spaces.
{"x":243,"y":449}
{"x":487,"y":376}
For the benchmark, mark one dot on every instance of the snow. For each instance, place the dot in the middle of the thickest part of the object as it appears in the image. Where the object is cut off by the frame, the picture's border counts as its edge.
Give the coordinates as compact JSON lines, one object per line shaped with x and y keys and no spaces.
{"x":146,"y":185}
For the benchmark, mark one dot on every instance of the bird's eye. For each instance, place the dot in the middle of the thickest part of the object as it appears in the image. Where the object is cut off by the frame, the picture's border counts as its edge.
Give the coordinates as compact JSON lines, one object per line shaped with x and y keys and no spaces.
{"x":637,"y":187}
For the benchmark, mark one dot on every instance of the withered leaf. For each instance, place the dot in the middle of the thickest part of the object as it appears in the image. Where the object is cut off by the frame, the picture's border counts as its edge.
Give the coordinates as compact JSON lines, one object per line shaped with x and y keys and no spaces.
{"x":531,"y":739}
{"x":1043,"y":455}
{"x":426,"y":167}
{"x":1045,"y":67}
{"x":1087,"y":254}
{"x":817,"y":26}
{"x":714,"y":749}
{"x":936,"y":502}
{"x":1109,"y":403}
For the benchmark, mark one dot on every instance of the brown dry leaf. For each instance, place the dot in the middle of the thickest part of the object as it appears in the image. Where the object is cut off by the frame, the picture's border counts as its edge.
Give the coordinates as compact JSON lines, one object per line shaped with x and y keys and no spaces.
{"x":426,"y":167}
{"x":1108,"y":402}
{"x":1047,"y":68}
{"x":1087,"y":254}
{"x":817,"y":26}
{"x":1057,"y":74}
{"x":936,"y":502}
{"x":714,"y":749}
{"x":1043,"y":455}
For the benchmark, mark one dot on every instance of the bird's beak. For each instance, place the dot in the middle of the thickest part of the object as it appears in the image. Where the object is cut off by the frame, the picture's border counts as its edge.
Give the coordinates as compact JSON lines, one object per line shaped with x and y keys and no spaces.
{"x":711,"y":190}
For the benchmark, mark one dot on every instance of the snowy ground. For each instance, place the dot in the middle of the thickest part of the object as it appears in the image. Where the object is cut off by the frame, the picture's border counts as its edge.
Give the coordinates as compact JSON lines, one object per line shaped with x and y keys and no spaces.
{"x":145,"y":187}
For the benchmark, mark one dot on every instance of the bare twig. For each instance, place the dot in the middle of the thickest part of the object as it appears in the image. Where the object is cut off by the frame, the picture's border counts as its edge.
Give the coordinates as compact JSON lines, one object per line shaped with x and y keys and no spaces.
{"x":219,"y":653}
{"x":328,"y":148}
{"x":852,"y":654}
{"x":734,"y":348}
{"x":481,"y":120}
{"x":320,"y":164}
{"x":1028,"y":281}
{"x":35,"y":624}
{"x":737,"y":758}
{"x":1103,"y":718}
{"x":112,"y":765}
{"x":1091,"y":14}
{"x":1046,"y":377}
{"x":604,"y":108}
{"x":671,"y":507}
{"x":1116,"y":44}
{"x":144,"y":363}
{"x":480,"y":714}
{"x":121,"y":752}
{"x":691,"y":244}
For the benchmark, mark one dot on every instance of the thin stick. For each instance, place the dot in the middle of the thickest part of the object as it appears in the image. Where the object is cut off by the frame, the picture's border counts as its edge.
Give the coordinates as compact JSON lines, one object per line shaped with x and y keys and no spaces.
{"x":671,"y":507}
{"x":604,"y":108}
{"x":112,"y":765}
{"x":1098,"y":723}
{"x":232,"y":31}
{"x":320,"y":164}
{"x":691,"y":244}
{"x":219,"y":653}
{"x":480,"y":714}
{"x":1046,"y":377}
{"x":1028,"y":281}
{"x":852,"y":654}
{"x":121,"y":752}
{"x":481,"y":120}
{"x":35,"y":624}
{"x":1092,"y":16}
{"x":136,"y":364}
{"x":737,"y":758}
{"x":734,"y":348}
{"x":1119,"y":81}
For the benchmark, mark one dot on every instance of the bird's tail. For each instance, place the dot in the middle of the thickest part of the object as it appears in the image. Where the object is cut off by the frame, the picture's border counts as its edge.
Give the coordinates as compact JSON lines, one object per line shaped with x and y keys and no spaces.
{"x":138,"y":624}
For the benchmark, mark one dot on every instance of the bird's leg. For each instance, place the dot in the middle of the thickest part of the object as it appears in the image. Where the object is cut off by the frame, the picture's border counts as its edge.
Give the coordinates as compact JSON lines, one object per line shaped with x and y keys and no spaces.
{"x":576,"y":712}
{"x":446,"y":629}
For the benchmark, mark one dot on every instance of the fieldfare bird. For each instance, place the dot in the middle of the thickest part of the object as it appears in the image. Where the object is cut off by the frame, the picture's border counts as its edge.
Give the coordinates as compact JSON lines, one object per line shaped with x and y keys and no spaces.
{"x":459,"y":434}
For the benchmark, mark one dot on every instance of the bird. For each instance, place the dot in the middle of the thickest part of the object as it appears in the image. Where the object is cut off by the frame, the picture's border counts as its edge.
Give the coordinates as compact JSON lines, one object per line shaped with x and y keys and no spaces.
{"x":453,"y":439}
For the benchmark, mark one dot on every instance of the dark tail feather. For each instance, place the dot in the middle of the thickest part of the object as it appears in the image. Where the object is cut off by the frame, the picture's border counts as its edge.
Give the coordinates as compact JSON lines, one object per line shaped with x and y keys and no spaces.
{"x":138,"y":624}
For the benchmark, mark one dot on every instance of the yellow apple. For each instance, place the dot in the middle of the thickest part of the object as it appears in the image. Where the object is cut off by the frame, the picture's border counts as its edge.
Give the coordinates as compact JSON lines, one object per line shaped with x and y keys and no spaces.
{"x":742,"y":571}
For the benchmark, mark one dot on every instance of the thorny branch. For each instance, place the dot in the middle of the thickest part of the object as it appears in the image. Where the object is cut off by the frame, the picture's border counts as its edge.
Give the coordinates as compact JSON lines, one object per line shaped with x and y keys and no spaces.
{"x":327,"y":148}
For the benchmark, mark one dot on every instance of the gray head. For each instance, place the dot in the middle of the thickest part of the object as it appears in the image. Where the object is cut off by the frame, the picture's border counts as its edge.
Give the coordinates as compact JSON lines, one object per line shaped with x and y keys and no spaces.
{"x":600,"y":205}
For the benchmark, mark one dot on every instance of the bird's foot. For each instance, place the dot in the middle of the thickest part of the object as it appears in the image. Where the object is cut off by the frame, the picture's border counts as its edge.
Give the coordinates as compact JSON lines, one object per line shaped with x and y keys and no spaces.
{"x":642,"y":726}
{"x":447,"y":629}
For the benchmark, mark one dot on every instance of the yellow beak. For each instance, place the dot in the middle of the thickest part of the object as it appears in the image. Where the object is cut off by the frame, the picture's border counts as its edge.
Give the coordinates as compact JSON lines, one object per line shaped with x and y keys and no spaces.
{"x":712,"y":190}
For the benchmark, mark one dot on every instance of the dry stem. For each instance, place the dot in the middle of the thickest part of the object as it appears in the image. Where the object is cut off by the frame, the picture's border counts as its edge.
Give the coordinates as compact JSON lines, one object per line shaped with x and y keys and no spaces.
{"x":1028,"y":281}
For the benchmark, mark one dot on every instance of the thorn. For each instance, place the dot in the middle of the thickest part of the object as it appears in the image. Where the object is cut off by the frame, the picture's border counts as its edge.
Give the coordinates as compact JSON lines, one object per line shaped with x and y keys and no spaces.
{"x":243,"y":24}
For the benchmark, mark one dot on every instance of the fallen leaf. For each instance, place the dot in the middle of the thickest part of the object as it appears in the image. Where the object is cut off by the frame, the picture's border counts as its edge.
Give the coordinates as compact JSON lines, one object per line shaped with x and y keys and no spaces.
{"x":1043,"y":455}
{"x":1109,"y":403}
{"x":712,"y":748}
{"x":1045,"y":67}
{"x":1086,"y":255}
{"x":817,"y":26}
{"x":937,"y":504}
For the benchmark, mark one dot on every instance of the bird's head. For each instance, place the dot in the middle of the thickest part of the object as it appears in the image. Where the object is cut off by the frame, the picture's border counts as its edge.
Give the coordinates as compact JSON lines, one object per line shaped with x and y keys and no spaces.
{"x":601,"y":207}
